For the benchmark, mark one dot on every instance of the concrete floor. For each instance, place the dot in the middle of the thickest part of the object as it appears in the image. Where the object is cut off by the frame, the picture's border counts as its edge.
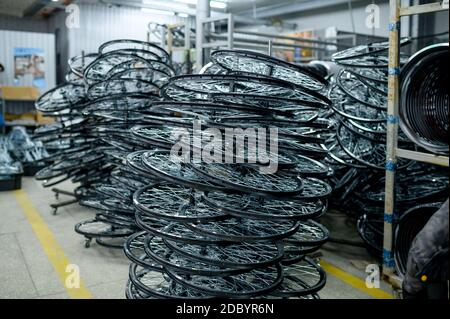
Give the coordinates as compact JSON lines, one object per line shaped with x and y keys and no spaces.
{"x":26,"y":271}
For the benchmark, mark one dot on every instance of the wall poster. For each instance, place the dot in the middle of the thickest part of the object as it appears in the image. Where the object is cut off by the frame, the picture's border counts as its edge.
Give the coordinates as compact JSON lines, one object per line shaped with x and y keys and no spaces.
{"x":29,"y":67}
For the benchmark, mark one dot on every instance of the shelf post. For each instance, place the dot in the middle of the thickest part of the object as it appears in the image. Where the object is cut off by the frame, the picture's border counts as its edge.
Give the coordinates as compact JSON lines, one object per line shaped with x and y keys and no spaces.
{"x":392,"y":134}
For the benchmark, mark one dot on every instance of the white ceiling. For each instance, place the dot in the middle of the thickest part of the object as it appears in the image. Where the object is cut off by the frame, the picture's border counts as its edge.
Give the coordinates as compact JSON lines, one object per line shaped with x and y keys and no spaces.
{"x":17,"y":7}
{"x":234,"y":6}
{"x":243,"y":5}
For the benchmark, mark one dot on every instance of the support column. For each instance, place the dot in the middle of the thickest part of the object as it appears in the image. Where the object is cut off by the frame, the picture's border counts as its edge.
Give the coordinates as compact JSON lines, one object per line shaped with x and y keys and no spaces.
{"x":392,"y":134}
{"x":203,"y":11}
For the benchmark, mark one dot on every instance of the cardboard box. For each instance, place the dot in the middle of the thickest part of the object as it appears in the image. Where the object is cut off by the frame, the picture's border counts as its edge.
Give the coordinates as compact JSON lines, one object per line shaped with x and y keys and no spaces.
{"x":41,"y":119}
{"x":19,"y":93}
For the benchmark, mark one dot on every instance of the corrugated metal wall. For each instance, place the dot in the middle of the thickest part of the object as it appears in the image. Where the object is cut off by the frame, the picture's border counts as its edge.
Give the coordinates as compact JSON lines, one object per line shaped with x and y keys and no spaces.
{"x":15,"y":39}
{"x":100,"y":23}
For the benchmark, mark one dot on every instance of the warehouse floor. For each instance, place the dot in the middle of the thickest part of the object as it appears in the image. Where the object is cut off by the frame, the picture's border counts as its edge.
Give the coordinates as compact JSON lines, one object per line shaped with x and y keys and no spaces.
{"x":36,"y":246}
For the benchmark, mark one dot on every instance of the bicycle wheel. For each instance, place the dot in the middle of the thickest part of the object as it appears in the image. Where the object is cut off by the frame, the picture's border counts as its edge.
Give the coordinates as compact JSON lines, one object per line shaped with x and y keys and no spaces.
{"x":253,"y":62}
{"x":65,"y":96}
{"x":280,"y":104}
{"x":247,"y":285}
{"x":359,"y":92}
{"x":106,"y":65}
{"x":150,"y":74}
{"x":174,"y":231}
{"x":159,"y":285}
{"x":127,"y":45}
{"x":245,"y":230}
{"x":248,"y":179}
{"x":94,"y":228}
{"x":78,"y":63}
{"x":309,"y":233}
{"x":248,"y":206}
{"x":176,"y":203}
{"x":242,"y":255}
{"x":159,"y":251}
{"x":301,"y":279}
{"x":122,"y":86}
{"x":169,"y":169}
{"x":134,"y":250}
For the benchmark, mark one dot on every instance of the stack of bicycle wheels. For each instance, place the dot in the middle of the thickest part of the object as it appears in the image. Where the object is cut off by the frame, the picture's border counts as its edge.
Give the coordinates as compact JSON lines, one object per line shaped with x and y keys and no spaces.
{"x":76,"y":151}
{"x":123,"y":79}
{"x":89,"y":142}
{"x":70,"y":144}
{"x":359,"y":95}
{"x":220,"y":218}
{"x":358,"y":153}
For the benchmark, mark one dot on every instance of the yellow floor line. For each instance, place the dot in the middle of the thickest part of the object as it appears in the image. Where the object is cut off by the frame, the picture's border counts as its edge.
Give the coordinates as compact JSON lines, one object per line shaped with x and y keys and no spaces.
{"x":52,"y":249}
{"x":354,"y":281}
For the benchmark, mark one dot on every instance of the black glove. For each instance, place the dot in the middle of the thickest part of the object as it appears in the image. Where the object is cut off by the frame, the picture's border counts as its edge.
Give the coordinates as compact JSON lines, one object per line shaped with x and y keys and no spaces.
{"x":421,"y":295}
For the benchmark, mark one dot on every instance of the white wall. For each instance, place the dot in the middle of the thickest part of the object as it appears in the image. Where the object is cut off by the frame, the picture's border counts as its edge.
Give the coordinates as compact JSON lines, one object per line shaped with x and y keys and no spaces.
{"x":341,"y":18}
{"x":15,"y":39}
{"x":100,"y":23}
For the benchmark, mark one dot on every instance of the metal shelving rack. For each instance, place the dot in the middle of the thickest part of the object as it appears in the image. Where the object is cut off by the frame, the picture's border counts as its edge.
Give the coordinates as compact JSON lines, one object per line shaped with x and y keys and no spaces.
{"x":392,"y":150}
{"x":232,"y":38}
{"x":18,"y":95}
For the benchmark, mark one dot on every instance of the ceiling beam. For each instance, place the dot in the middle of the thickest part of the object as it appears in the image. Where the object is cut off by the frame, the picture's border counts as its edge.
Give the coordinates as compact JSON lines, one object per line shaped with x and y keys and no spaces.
{"x":289,"y":8}
{"x":192,"y":12}
{"x":35,"y":7}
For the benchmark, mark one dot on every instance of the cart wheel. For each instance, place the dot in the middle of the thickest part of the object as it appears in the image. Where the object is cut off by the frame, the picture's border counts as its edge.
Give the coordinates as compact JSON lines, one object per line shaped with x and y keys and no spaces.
{"x":55,"y":211}
{"x":87,"y":243}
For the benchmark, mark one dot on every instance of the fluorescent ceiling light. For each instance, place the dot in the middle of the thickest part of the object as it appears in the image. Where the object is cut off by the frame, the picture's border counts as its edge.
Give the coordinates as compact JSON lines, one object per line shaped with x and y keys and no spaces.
{"x":213,"y":4}
{"x":153,"y":2}
{"x":183,"y":15}
{"x":187,"y":1}
{"x":155,"y":11}
{"x":218,"y":4}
